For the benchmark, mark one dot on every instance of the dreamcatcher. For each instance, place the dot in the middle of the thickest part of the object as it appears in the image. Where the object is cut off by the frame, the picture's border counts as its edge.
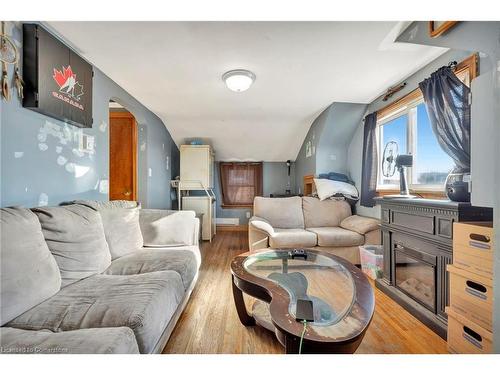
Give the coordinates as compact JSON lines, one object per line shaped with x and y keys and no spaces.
{"x":9,"y":56}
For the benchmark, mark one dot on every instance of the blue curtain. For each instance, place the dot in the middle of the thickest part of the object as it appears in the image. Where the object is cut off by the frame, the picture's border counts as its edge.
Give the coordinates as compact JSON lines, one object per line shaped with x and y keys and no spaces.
{"x":448,"y":106}
{"x":370,"y":159}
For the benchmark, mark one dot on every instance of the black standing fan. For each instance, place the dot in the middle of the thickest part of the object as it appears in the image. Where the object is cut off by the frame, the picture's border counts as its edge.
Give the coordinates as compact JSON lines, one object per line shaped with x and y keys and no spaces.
{"x":391,"y":161}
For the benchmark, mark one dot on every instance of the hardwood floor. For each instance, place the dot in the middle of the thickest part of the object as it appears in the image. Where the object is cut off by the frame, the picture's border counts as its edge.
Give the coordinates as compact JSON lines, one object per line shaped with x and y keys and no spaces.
{"x":210,"y":324}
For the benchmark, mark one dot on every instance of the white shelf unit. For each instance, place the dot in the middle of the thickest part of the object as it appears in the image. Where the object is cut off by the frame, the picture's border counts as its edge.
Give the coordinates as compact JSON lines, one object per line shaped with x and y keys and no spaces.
{"x":197,"y":174}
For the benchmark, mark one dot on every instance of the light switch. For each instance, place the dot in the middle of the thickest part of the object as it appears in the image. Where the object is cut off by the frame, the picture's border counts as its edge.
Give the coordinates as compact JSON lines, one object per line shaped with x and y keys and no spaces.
{"x":150,"y":172}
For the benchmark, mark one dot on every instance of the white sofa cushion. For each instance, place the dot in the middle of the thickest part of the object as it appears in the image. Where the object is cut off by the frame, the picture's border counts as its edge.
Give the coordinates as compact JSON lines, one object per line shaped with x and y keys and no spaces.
{"x":161,"y":228}
{"x":115,"y":340}
{"x":184,"y":262}
{"x":75,"y":236}
{"x":145,"y":303}
{"x":29,"y":272}
{"x":336,"y":236}
{"x":291,"y":238}
{"x":122,"y":230}
{"x":283,"y":213}
{"x":120,"y":220}
{"x":328,"y":213}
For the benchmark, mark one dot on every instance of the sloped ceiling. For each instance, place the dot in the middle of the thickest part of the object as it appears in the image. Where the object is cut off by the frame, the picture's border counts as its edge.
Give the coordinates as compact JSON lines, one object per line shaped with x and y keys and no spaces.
{"x":175,"y":68}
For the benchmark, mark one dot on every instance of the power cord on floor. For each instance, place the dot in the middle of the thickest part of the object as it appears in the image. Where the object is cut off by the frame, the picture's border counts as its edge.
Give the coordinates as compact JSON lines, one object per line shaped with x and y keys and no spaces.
{"x":302,"y":336}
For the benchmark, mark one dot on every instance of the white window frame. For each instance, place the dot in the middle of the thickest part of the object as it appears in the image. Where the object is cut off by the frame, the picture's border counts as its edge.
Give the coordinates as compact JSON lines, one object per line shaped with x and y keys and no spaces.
{"x":409,"y":109}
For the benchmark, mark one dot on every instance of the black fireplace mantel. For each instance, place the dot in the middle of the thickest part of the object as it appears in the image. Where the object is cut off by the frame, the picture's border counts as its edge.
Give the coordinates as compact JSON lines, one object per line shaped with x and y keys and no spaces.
{"x":423,"y":229}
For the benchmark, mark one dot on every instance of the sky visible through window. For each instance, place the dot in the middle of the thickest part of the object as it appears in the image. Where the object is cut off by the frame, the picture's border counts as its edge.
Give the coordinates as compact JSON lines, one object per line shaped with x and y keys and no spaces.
{"x":431,"y":164}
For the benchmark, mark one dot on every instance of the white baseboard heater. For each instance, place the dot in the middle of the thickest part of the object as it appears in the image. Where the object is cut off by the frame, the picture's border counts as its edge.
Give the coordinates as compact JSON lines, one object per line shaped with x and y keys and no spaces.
{"x":227,"y":221}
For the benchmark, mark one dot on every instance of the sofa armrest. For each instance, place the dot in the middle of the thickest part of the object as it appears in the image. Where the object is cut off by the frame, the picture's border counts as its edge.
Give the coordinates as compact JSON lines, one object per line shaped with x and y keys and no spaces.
{"x":259,"y":231}
{"x":261,"y":224}
{"x":360,"y":224}
{"x":162,"y":228}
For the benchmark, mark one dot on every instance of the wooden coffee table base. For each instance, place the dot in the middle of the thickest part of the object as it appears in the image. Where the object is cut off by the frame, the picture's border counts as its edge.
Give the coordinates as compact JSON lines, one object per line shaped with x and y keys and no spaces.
{"x":277,"y":300}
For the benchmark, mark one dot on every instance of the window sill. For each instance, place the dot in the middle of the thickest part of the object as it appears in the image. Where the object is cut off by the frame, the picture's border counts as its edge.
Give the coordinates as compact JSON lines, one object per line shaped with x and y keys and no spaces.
{"x":226,"y":206}
{"x":434,"y":194}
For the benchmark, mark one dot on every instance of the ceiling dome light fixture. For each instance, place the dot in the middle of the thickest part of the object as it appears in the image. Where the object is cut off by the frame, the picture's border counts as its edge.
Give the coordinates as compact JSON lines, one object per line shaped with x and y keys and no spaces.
{"x":238,"y":80}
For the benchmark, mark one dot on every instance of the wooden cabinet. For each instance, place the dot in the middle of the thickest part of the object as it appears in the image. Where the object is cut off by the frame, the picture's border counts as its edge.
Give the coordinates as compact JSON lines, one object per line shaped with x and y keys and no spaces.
{"x":473,"y":248}
{"x":471,"y":289}
{"x":464,"y":336}
{"x":197,"y":167}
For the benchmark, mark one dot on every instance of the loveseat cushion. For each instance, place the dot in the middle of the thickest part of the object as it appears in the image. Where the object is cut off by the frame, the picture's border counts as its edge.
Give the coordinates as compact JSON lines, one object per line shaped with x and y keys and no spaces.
{"x":115,"y":340}
{"x":291,"y":238}
{"x":283,"y":213}
{"x":183,"y":262}
{"x":29,"y":272}
{"x":161,"y":228}
{"x":327,"y":213}
{"x":336,"y":236}
{"x":75,"y":236}
{"x":120,"y":220}
{"x":360,"y":224}
{"x":144,"y":302}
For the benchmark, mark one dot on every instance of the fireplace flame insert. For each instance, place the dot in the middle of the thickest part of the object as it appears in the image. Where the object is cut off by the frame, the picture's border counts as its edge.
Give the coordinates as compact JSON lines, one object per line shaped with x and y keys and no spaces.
{"x":415,"y":273}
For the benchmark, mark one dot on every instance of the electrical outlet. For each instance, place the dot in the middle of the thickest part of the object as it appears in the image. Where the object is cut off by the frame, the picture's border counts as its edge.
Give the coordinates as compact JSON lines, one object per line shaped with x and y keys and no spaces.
{"x":248,"y":214}
{"x":150,"y":172}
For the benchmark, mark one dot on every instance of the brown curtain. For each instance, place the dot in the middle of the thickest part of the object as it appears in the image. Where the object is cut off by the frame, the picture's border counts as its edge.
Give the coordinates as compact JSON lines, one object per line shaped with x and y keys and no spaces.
{"x":240,"y":183}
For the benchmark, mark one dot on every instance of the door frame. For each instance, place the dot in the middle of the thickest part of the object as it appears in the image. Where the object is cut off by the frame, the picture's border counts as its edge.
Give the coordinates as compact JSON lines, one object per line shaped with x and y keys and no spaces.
{"x":118,"y":115}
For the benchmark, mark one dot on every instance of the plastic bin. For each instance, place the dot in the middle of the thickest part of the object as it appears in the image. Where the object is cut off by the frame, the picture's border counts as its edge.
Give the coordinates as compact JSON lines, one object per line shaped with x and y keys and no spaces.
{"x":372,"y":260}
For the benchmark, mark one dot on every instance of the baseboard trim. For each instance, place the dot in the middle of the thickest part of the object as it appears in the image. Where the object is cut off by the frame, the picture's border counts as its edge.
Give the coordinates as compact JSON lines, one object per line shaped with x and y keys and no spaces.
{"x":232,"y":228}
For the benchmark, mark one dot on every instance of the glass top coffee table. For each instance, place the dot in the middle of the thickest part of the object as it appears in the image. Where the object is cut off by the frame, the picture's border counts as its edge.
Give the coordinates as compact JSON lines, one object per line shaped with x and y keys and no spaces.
{"x":341,"y":296}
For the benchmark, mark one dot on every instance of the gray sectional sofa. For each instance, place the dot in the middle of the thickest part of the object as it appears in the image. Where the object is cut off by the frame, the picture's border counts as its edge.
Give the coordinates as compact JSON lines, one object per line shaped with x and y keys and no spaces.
{"x":307,"y":222}
{"x":94,"y":277}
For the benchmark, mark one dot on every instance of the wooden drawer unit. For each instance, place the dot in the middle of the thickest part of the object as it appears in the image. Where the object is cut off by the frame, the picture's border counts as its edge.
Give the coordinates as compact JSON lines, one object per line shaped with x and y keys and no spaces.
{"x":473,"y":247}
{"x":471,"y":296}
{"x":467,"y":337}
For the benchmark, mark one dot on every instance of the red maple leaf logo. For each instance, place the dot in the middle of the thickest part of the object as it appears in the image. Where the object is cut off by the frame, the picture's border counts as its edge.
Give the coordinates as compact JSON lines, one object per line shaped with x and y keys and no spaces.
{"x":61,"y":78}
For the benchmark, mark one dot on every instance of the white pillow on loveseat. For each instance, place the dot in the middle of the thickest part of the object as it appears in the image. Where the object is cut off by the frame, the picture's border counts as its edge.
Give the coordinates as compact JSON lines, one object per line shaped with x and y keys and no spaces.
{"x":328,"y":188}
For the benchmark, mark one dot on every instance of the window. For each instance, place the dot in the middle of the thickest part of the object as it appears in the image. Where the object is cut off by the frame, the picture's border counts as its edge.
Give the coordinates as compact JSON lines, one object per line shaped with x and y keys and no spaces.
{"x":407,"y":123}
{"x":240,"y":183}
{"x":410,"y":128}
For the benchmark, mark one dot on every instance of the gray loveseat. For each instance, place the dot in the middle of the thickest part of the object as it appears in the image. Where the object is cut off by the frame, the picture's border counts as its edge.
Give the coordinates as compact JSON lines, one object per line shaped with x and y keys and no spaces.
{"x":94,"y":277}
{"x":307,"y":222}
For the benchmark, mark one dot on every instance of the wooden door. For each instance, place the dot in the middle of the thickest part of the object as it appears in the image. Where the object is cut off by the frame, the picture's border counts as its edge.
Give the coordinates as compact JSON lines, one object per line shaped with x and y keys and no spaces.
{"x":122,"y":156}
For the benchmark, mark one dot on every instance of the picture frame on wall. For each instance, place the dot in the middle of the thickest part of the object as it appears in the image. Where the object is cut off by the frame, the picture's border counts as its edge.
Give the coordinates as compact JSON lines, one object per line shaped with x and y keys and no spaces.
{"x":438,"y":28}
{"x":58,"y":82}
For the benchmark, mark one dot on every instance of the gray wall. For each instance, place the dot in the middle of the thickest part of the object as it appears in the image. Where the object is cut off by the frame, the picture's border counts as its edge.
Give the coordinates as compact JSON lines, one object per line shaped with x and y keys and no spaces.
{"x":274,"y":180}
{"x":39,"y":153}
{"x":329,"y":135}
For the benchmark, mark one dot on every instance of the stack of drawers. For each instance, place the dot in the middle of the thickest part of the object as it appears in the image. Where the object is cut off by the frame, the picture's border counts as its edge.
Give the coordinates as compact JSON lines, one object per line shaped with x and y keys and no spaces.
{"x":471,"y":289}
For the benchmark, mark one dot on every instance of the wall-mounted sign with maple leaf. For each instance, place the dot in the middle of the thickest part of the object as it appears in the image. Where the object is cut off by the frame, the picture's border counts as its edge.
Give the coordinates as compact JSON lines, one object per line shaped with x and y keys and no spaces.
{"x":58,"y":81}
